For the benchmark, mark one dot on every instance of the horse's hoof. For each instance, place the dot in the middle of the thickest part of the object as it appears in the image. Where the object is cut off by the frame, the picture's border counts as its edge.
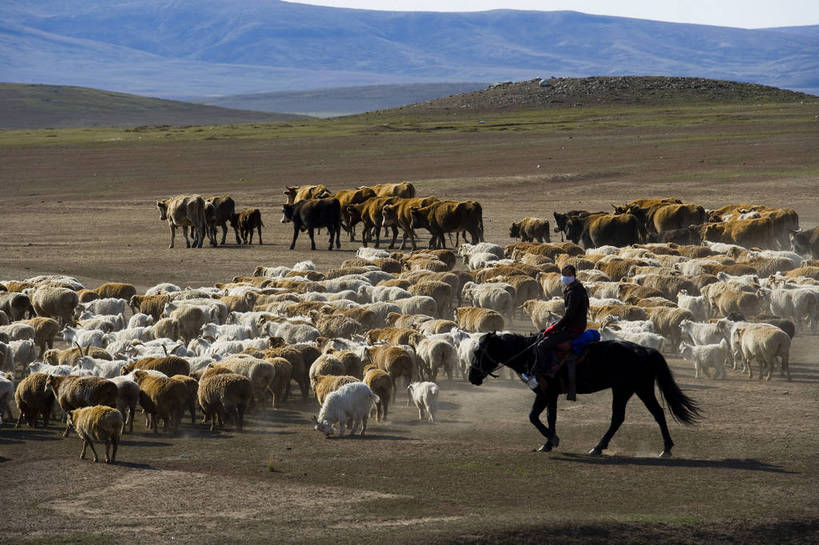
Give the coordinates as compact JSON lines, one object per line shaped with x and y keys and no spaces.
{"x":596,"y":452}
{"x":546,"y":447}
{"x":555,"y":441}
{"x":665,"y":454}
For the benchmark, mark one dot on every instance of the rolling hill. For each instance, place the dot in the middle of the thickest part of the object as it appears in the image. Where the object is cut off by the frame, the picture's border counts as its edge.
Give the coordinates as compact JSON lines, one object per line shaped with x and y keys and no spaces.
{"x":25,"y":106}
{"x":211,"y":48}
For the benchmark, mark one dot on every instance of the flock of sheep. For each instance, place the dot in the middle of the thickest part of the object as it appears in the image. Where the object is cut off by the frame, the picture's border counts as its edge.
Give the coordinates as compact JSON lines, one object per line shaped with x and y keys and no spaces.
{"x":379,"y":323}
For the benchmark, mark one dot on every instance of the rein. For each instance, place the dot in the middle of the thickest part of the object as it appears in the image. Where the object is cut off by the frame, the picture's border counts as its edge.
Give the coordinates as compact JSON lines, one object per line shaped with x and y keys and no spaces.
{"x":499,"y":364}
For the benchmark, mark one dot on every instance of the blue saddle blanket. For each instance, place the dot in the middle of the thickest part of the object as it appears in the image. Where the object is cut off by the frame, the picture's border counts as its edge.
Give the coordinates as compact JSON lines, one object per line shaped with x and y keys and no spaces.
{"x":585,"y":339}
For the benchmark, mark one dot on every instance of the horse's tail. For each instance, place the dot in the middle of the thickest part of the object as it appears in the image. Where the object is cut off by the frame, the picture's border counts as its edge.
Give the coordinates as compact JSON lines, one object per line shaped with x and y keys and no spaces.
{"x":683,"y":408}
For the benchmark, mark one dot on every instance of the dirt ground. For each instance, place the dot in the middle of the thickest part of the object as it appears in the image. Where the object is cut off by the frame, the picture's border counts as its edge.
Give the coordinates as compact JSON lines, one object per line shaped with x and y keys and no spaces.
{"x":749,"y":473}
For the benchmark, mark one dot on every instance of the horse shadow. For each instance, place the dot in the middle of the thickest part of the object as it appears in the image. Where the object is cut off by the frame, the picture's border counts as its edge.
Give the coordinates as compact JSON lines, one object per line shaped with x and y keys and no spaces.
{"x":143,"y":443}
{"x":22,"y":435}
{"x":134,"y":465}
{"x":747,"y":464}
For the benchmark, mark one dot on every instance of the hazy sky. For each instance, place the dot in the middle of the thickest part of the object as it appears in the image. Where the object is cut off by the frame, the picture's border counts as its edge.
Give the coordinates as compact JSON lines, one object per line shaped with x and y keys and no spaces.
{"x":734,"y":13}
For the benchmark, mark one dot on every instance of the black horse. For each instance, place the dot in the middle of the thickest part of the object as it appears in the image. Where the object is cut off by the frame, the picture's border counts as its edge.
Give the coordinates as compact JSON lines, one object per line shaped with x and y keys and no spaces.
{"x":625,"y":367}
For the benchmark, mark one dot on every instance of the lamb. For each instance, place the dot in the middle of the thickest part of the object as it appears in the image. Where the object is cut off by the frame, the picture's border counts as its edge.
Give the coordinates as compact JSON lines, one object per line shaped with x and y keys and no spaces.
{"x":706,"y":356}
{"x":222,"y":394}
{"x":161,"y":398}
{"x":330,"y":383}
{"x":382,"y":385}
{"x":478,"y":319}
{"x":54,"y":302}
{"x":101,"y":423}
{"x":425,"y":397}
{"x":764,"y":343}
{"x":127,"y":399}
{"x":73,"y":392}
{"x":33,"y":399}
{"x":350,"y":402}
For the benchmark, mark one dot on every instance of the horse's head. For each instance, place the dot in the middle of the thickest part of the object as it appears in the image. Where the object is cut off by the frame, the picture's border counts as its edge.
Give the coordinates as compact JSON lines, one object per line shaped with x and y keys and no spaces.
{"x":481,"y":363}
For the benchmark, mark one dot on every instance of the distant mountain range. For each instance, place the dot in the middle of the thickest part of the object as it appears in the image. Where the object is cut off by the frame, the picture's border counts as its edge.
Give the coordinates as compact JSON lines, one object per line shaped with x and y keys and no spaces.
{"x":211,"y":48}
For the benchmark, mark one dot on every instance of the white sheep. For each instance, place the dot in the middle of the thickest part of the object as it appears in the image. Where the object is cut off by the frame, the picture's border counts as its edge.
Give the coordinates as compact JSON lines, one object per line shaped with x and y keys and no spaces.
{"x":425,"y":397}
{"x":438,"y":354}
{"x":466,"y":250}
{"x":371,"y":253}
{"x":140,"y":320}
{"x":764,"y":343}
{"x":498,"y":296}
{"x":6,"y":393}
{"x":18,"y":331}
{"x":48,"y":369}
{"x":230,"y":332}
{"x":162,"y":289}
{"x":89,"y":320}
{"x":145,"y":333}
{"x":694,"y":303}
{"x":86,"y":337}
{"x":706,"y":356}
{"x":375,"y":294}
{"x":417,"y":304}
{"x":25,"y":351}
{"x":352,"y":401}
{"x":701,"y":333}
{"x":6,"y":357}
{"x":100,"y":368}
{"x":480,"y":260}
{"x":106,"y":307}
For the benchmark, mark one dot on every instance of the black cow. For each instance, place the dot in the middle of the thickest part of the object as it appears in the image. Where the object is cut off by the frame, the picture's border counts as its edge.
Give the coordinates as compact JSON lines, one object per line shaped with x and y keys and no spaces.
{"x":222,"y":210}
{"x":806,"y":243}
{"x":311,"y":214}
{"x":246,"y":221}
{"x":604,"y":230}
{"x":686,"y":236}
{"x":561,"y":220}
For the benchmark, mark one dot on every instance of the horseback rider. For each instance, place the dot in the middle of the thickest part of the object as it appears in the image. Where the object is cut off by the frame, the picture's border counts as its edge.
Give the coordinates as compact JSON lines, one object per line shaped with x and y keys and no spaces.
{"x":570,"y":326}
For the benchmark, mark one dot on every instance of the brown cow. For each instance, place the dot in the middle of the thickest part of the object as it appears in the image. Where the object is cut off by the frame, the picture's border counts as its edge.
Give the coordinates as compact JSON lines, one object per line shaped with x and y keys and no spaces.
{"x":223,"y":209}
{"x":644,"y":204}
{"x":528,"y":229}
{"x":747,"y":233}
{"x":297,"y":194}
{"x":806,"y":243}
{"x":185,"y":211}
{"x":370,"y":213}
{"x":604,"y":229}
{"x":246,"y":221}
{"x":404,"y":190}
{"x":352,"y":196}
{"x":397,"y":214}
{"x":448,"y":217}
{"x":668,"y":217}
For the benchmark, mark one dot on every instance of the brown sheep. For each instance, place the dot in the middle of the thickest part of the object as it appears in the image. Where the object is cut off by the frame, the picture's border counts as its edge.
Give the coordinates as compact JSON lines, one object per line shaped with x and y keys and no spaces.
{"x":326,"y":364}
{"x":634,"y":292}
{"x":808,"y":271}
{"x":669,"y":286}
{"x":304,"y":308}
{"x":86,"y":295}
{"x":117,"y":290}
{"x":478,"y":319}
{"x":260,"y":372}
{"x":337,"y":325}
{"x":162,"y":398}
{"x":236,"y":303}
{"x":432,"y":327}
{"x":101,"y":423}
{"x":330,"y":383}
{"x":301,"y":357}
{"x":45,"y":329}
{"x":394,"y":360}
{"x":73,"y":392}
{"x":69,"y":356}
{"x":442,"y":292}
{"x":281,"y":382}
{"x":169,"y":365}
{"x":366,"y":317}
{"x":153,"y":305}
{"x":406,"y":321}
{"x":224,"y":394}
{"x":389,"y":265}
{"x":624,"y":312}
{"x":193,"y":387}
{"x":667,"y":322}
{"x":393,"y":335}
{"x":618,"y":268}
{"x":382,"y":385}
{"x":33,"y":399}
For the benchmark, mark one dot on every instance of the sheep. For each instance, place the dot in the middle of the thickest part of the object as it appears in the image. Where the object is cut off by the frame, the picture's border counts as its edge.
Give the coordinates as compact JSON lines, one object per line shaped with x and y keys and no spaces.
{"x":381,"y":310}
{"x":88,"y":320}
{"x":417,"y":304}
{"x":260,"y":373}
{"x":6,"y":357}
{"x":15,"y":305}
{"x":161,"y":398}
{"x":764,"y":343}
{"x":127,"y":399}
{"x":101,"y":368}
{"x":706,"y":356}
{"x":134,"y":334}
{"x":70,"y":356}
{"x":33,"y":399}
{"x":696,"y":304}
{"x":382,"y":385}
{"x":330,"y":383}
{"x":101,"y":423}
{"x":375,"y":294}
{"x":18,"y":331}
{"x":667,"y":322}
{"x":497,"y":296}
{"x":442,"y":292}
{"x":24,"y":352}
{"x":543,"y":313}
{"x":701,"y":333}
{"x":86,"y":337}
{"x":433,"y":327}
{"x":73,"y":392}
{"x":54,"y":302}
{"x":169,"y":365}
{"x":397,"y":361}
{"x":437,"y":354}
{"x":163,"y":288}
{"x":4,"y":318}
{"x":611,"y":332}
{"x":222,"y":394}
{"x":478,"y":319}
{"x":192,"y":386}
{"x":301,"y":358}
{"x":6,"y":394}
{"x":116,"y":290}
{"x":326,"y":364}
{"x":48,"y":369}
{"x":293,"y":332}
{"x":152,"y":305}
{"x":281,"y":380}
{"x":139,"y":319}
{"x":425,"y":397}
{"x":350,"y":402}
{"x":107,"y":307}
{"x":465,"y":250}
{"x":230,"y":332}
{"x":166,"y":328}
{"x":337,"y":325}
{"x":189,"y":319}
{"x":393,"y":335}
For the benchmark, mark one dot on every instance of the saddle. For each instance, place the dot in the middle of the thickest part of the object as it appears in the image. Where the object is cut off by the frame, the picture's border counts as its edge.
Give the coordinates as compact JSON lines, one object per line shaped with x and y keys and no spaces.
{"x":571,"y":354}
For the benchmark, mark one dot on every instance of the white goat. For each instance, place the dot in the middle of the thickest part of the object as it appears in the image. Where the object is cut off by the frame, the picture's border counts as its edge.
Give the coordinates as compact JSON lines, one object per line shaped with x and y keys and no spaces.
{"x":425,"y":397}
{"x":352,"y":401}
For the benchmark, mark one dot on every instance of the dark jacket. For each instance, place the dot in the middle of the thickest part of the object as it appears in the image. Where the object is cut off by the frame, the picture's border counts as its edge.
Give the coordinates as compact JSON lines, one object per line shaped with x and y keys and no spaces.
{"x":577,"y":307}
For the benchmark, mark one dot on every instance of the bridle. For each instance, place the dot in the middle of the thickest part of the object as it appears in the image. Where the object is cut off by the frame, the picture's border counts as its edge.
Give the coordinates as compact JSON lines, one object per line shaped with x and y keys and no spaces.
{"x":484,"y":353}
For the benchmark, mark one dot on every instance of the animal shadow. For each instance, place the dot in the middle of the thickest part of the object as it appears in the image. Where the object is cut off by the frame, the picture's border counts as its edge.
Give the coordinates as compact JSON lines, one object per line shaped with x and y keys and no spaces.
{"x":748,"y":464}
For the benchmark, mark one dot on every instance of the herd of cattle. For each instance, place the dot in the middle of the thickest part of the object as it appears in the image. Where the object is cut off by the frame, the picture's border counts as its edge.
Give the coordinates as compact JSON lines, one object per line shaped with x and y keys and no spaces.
{"x":391,"y":320}
{"x":392,"y":206}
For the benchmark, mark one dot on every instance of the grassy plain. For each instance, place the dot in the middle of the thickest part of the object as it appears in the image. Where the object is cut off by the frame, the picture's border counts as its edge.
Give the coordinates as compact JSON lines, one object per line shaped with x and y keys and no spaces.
{"x":80,"y":202}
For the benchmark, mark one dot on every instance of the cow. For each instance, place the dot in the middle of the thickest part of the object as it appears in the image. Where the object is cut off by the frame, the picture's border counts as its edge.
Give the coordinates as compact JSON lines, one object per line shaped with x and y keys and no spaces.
{"x":370,"y":213}
{"x":297,"y":194}
{"x":685,"y":236}
{"x":245,"y":221}
{"x":727,"y":212}
{"x":644,"y":204}
{"x":562,"y":219}
{"x":784,"y":221}
{"x":667,"y":217}
{"x":223,"y":208}
{"x":397,"y":214}
{"x":404,"y":190}
{"x":311,"y":214}
{"x":448,"y":217}
{"x":604,"y":230}
{"x":805,"y":243}
{"x":185,"y":211}
{"x":352,"y":196}
{"x":747,"y":233}
{"x":529,"y":229}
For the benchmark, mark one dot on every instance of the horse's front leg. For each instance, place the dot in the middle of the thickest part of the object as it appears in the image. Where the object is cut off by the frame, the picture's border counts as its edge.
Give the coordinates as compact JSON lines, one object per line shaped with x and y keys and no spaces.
{"x":542,"y":402}
{"x":618,"y":415}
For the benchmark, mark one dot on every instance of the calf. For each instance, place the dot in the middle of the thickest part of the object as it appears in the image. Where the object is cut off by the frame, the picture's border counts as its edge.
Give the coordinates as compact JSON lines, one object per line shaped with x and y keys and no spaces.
{"x":245,"y":221}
